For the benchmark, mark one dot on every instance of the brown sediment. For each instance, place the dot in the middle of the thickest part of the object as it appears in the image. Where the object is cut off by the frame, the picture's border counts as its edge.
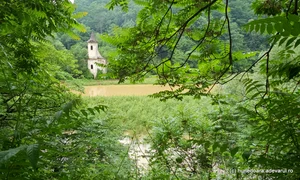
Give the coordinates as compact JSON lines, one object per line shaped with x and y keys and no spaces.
{"x":123,"y":90}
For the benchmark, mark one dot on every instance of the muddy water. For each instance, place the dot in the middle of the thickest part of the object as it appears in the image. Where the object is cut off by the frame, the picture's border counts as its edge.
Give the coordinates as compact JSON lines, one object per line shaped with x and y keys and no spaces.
{"x":123,"y":90}
{"x":138,"y":151}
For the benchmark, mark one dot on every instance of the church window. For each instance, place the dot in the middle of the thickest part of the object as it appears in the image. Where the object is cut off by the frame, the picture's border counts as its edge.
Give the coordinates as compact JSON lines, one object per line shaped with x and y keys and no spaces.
{"x":91,"y":47}
{"x":92,"y":67}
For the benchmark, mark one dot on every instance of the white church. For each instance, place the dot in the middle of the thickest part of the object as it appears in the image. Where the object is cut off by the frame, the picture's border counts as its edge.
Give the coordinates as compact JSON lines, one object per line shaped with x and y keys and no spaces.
{"x":95,"y":57}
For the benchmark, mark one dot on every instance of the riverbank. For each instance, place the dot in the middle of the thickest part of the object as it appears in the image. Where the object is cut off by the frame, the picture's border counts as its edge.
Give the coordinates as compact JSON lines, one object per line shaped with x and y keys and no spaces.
{"x":94,"y":82}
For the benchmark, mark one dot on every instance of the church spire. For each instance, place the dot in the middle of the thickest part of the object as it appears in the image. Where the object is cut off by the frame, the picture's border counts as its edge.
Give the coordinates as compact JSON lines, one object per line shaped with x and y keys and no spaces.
{"x":95,"y":57}
{"x":92,"y":38}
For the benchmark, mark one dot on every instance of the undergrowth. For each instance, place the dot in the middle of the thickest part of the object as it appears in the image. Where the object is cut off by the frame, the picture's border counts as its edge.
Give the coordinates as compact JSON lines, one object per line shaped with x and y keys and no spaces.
{"x":136,"y":114}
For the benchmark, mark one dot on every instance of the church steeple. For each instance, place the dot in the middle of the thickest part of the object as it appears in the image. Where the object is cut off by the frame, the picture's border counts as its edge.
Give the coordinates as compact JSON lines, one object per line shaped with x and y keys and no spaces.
{"x":92,"y":38}
{"x":93,"y":48}
{"x":94,"y":56}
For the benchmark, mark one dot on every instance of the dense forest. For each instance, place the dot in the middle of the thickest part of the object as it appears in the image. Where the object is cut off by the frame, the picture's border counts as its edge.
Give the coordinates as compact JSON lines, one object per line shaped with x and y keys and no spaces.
{"x":232,"y":113}
{"x":103,"y":21}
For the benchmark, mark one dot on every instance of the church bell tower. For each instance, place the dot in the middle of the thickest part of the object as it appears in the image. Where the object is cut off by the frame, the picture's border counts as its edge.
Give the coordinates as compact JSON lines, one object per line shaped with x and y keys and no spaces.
{"x":95,"y":57}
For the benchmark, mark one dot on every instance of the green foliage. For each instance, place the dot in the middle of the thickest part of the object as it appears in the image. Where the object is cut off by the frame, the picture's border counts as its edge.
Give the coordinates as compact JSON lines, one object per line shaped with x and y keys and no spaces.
{"x":286,"y":28}
{"x":61,"y":63}
{"x":79,"y":51}
{"x":193,"y":46}
{"x":42,"y":124}
{"x":185,"y":140}
{"x":171,"y":37}
{"x":6,"y":155}
{"x":254,"y":124}
{"x":134,"y":115}
{"x":101,"y":19}
{"x":33,"y":154}
{"x":271,"y":7}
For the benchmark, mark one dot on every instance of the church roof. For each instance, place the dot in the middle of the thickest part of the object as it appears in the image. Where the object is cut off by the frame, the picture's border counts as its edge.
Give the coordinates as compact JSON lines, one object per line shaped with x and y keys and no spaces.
{"x":92,"y":38}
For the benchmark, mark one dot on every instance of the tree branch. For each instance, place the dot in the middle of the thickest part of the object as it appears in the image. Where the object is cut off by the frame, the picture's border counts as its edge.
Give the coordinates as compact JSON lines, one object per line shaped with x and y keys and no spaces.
{"x":296,"y":8}
{"x":229,"y":33}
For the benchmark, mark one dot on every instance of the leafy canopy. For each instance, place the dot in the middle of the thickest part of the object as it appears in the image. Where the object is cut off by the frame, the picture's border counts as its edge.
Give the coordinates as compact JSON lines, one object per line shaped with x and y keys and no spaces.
{"x":259,"y":128}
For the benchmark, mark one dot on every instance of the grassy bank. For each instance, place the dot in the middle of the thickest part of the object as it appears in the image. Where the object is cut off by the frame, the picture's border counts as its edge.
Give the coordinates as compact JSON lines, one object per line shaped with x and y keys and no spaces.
{"x":92,"y":82}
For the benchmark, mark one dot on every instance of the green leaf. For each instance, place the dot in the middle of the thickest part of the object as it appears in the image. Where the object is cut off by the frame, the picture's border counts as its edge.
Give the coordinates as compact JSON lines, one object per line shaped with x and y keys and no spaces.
{"x":75,"y":113}
{"x":290,"y":41}
{"x":80,"y":27}
{"x":246,"y":28}
{"x":58,"y":115}
{"x":91,"y":111}
{"x":247,"y":81}
{"x":253,"y":85}
{"x":79,"y":15}
{"x":255,"y":95}
{"x":274,"y":39}
{"x":6,"y":155}
{"x":262,"y":28}
{"x":100,"y":107}
{"x":33,"y":154}
{"x":67,"y":107}
{"x":234,"y":151}
{"x":294,"y":18}
{"x":246,"y":155}
{"x":287,"y":29}
{"x":257,"y":28}
{"x":278,"y":27}
{"x":9,"y":64}
{"x":251,"y":27}
{"x":223,"y":148}
{"x":84,"y":112}
{"x":296,"y":29}
{"x":72,"y":35}
{"x":282,"y":41}
{"x":297,"y":43}
{"x":215,"y":146}
{"x":270,"y":28}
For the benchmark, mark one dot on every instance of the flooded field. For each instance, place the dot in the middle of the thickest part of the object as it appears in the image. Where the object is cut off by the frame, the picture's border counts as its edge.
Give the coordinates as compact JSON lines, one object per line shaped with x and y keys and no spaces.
{"x":123,"y":90}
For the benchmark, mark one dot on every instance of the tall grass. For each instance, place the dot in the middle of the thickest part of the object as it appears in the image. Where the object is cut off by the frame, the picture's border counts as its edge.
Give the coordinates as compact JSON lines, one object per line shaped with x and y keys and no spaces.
{"x":136,"y":114}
